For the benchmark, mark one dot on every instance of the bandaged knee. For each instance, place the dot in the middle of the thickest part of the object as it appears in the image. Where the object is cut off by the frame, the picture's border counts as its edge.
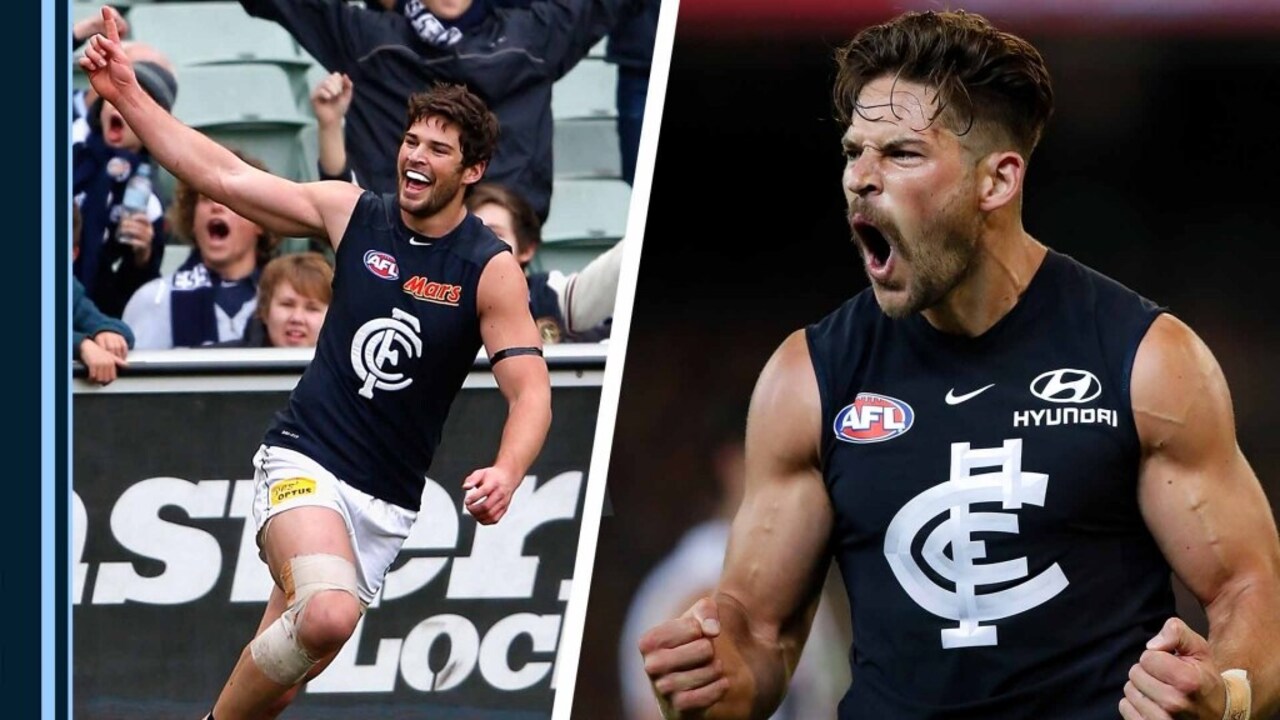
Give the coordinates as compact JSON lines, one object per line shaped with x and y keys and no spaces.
{"x":277,"y":651}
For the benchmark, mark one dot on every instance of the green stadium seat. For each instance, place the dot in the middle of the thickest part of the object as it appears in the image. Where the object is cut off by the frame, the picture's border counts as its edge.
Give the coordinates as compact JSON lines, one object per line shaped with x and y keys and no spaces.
{"x":584,"y":210}
{"x":587,"y":149}
{"x":217,"y":32}
{"x":309,"y":149}
{"x":568,"y":257}
{"x":203,"y":33}
{"x":249,"y":106}
{"x":588,"y":91}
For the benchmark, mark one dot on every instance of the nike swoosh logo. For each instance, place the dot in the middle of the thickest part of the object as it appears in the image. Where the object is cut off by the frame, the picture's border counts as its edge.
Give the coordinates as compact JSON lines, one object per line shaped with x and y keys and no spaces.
{"x":415,"y":242}
{"x":953,"y":399}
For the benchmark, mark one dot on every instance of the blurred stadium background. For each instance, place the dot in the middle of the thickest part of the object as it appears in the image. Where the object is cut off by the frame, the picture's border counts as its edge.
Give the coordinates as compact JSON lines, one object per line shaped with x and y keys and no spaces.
{"x":1157,"y":169}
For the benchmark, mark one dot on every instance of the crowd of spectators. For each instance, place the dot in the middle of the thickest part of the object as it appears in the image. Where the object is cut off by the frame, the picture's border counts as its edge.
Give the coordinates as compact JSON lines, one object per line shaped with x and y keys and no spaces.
{"x":239,"y":286}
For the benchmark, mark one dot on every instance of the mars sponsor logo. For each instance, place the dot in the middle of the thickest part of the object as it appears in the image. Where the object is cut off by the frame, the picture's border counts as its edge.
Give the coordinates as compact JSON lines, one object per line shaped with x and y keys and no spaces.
{"x":873,"y":418}
{"x":292,"y":488}
{"x":382,"y":265}
{"x":461,"y":623}
{"x":437,"y":292}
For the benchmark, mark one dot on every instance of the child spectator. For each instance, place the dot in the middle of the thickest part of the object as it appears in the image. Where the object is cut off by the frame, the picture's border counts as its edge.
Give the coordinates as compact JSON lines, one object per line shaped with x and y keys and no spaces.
{"x":293,"y":298}
{"x":213,"y":295}
{"x":119,"y":251}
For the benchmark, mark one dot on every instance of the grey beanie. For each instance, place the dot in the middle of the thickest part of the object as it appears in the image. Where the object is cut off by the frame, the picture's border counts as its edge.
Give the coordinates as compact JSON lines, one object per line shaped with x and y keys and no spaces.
{"x":159,"y":83}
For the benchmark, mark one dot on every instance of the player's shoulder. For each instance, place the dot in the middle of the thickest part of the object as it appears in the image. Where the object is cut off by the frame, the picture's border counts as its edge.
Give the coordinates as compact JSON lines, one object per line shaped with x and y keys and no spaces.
{"x":1104,"y":292}
{"x":1178,"y":390}
{"x":474,"y":243}
{"x":787,"y":388}
{"x":1170,"y":354}
{"x":844,"y":334}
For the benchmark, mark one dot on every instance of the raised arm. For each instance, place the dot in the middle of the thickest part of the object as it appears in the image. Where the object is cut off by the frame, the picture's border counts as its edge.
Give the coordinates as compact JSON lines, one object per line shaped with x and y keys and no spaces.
{"x":1206,"y":509}
{"x":510,"y":338}
{"x":562,"y":32}
{"x":280,"y":205}
{"x":732,"y":655}
{"x":334,"y":32}
{"x":330,"y":100}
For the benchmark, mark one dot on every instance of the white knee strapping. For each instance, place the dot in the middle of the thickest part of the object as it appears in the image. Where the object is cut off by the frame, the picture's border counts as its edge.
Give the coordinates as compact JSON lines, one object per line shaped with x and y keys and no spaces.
{"x":276,"y":650}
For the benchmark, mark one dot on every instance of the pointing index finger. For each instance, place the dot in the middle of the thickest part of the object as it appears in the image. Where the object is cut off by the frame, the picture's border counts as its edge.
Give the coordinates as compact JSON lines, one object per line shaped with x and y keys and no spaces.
{"x":109,"y":21}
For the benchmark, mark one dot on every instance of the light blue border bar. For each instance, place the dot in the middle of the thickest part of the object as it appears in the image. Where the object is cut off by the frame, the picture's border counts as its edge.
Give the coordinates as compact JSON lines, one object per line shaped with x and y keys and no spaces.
{"x":51,"y":604}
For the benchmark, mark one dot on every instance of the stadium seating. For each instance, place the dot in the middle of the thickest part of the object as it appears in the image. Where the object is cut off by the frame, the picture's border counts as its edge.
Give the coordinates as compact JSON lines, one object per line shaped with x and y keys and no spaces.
{"x":587,"y":149}
{"x":589,"y":201}
{"x":587,"y":209}
{"x":205,"y":33}
{"x":248,"y":106}
{"x":587,"y":91}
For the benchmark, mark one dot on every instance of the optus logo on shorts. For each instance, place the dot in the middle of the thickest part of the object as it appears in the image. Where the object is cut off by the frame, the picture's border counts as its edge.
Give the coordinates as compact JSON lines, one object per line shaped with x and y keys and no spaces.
{"x":291,"y":488}
{"x":873,"y":418}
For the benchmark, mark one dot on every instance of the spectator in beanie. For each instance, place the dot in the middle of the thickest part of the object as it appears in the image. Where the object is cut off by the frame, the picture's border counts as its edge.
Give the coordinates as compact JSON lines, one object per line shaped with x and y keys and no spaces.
{"x":119,"y":251}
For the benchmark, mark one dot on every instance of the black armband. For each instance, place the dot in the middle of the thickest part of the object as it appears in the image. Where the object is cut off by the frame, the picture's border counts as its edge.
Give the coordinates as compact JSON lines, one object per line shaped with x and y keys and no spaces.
{"x":512,"y":352}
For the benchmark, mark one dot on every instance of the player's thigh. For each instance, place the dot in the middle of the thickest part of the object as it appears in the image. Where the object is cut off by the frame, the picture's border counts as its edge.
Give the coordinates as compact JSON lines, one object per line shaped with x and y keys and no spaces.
{"x":305,"y":530}
{"x":298,"y":509}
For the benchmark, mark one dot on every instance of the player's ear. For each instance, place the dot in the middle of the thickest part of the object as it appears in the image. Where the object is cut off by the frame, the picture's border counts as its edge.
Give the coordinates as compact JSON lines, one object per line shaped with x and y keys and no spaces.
{"x":1001,"y":179}
{"x":473,"y":173}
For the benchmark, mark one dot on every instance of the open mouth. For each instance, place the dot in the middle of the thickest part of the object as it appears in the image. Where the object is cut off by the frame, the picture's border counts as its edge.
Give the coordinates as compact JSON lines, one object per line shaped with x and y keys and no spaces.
{"x":115,"y":124}
{"x":875,"y":245}
{"x":415,"y":181}
{"x":218,"y":229}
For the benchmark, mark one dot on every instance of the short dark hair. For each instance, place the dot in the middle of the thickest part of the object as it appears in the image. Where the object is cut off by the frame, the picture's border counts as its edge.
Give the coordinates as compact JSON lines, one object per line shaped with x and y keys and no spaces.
{"x":982,"y":75}
{"x":524,"y":220}
{"x":456,"y":105}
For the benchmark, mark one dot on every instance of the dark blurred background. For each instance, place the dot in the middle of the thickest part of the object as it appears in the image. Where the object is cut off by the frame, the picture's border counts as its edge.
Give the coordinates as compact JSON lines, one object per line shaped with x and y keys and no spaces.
{"x":1157,"y":169}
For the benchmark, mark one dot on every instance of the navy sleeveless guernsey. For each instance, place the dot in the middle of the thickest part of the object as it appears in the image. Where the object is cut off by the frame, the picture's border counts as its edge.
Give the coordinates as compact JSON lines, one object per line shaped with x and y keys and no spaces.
{"x":401,"y":335}
{"x":986,"y":512}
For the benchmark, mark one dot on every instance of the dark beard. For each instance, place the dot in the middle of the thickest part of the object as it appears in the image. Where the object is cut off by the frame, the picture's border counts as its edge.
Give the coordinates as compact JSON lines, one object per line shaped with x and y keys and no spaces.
{"x":438,"y":200}
{"x":940,"y":258}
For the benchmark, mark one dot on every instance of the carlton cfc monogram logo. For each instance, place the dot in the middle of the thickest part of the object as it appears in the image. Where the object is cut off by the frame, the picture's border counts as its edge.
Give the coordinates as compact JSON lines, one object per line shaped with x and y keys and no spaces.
{"x":376,"y":348}
{"x":1007,"y":485}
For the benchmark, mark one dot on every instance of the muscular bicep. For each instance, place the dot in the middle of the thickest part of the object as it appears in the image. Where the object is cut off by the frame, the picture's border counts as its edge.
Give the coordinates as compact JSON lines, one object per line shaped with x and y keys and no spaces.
{"x":778,"y":549}
{"x":502,"y":302}
{"x":1199,"y":497}
{"x":317,"y":209}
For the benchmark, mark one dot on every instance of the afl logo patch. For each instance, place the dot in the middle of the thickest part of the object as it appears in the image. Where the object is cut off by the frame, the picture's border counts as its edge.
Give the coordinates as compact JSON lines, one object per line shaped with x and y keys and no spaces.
{"x":873,"y":418}
{"x":381,"y":264}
